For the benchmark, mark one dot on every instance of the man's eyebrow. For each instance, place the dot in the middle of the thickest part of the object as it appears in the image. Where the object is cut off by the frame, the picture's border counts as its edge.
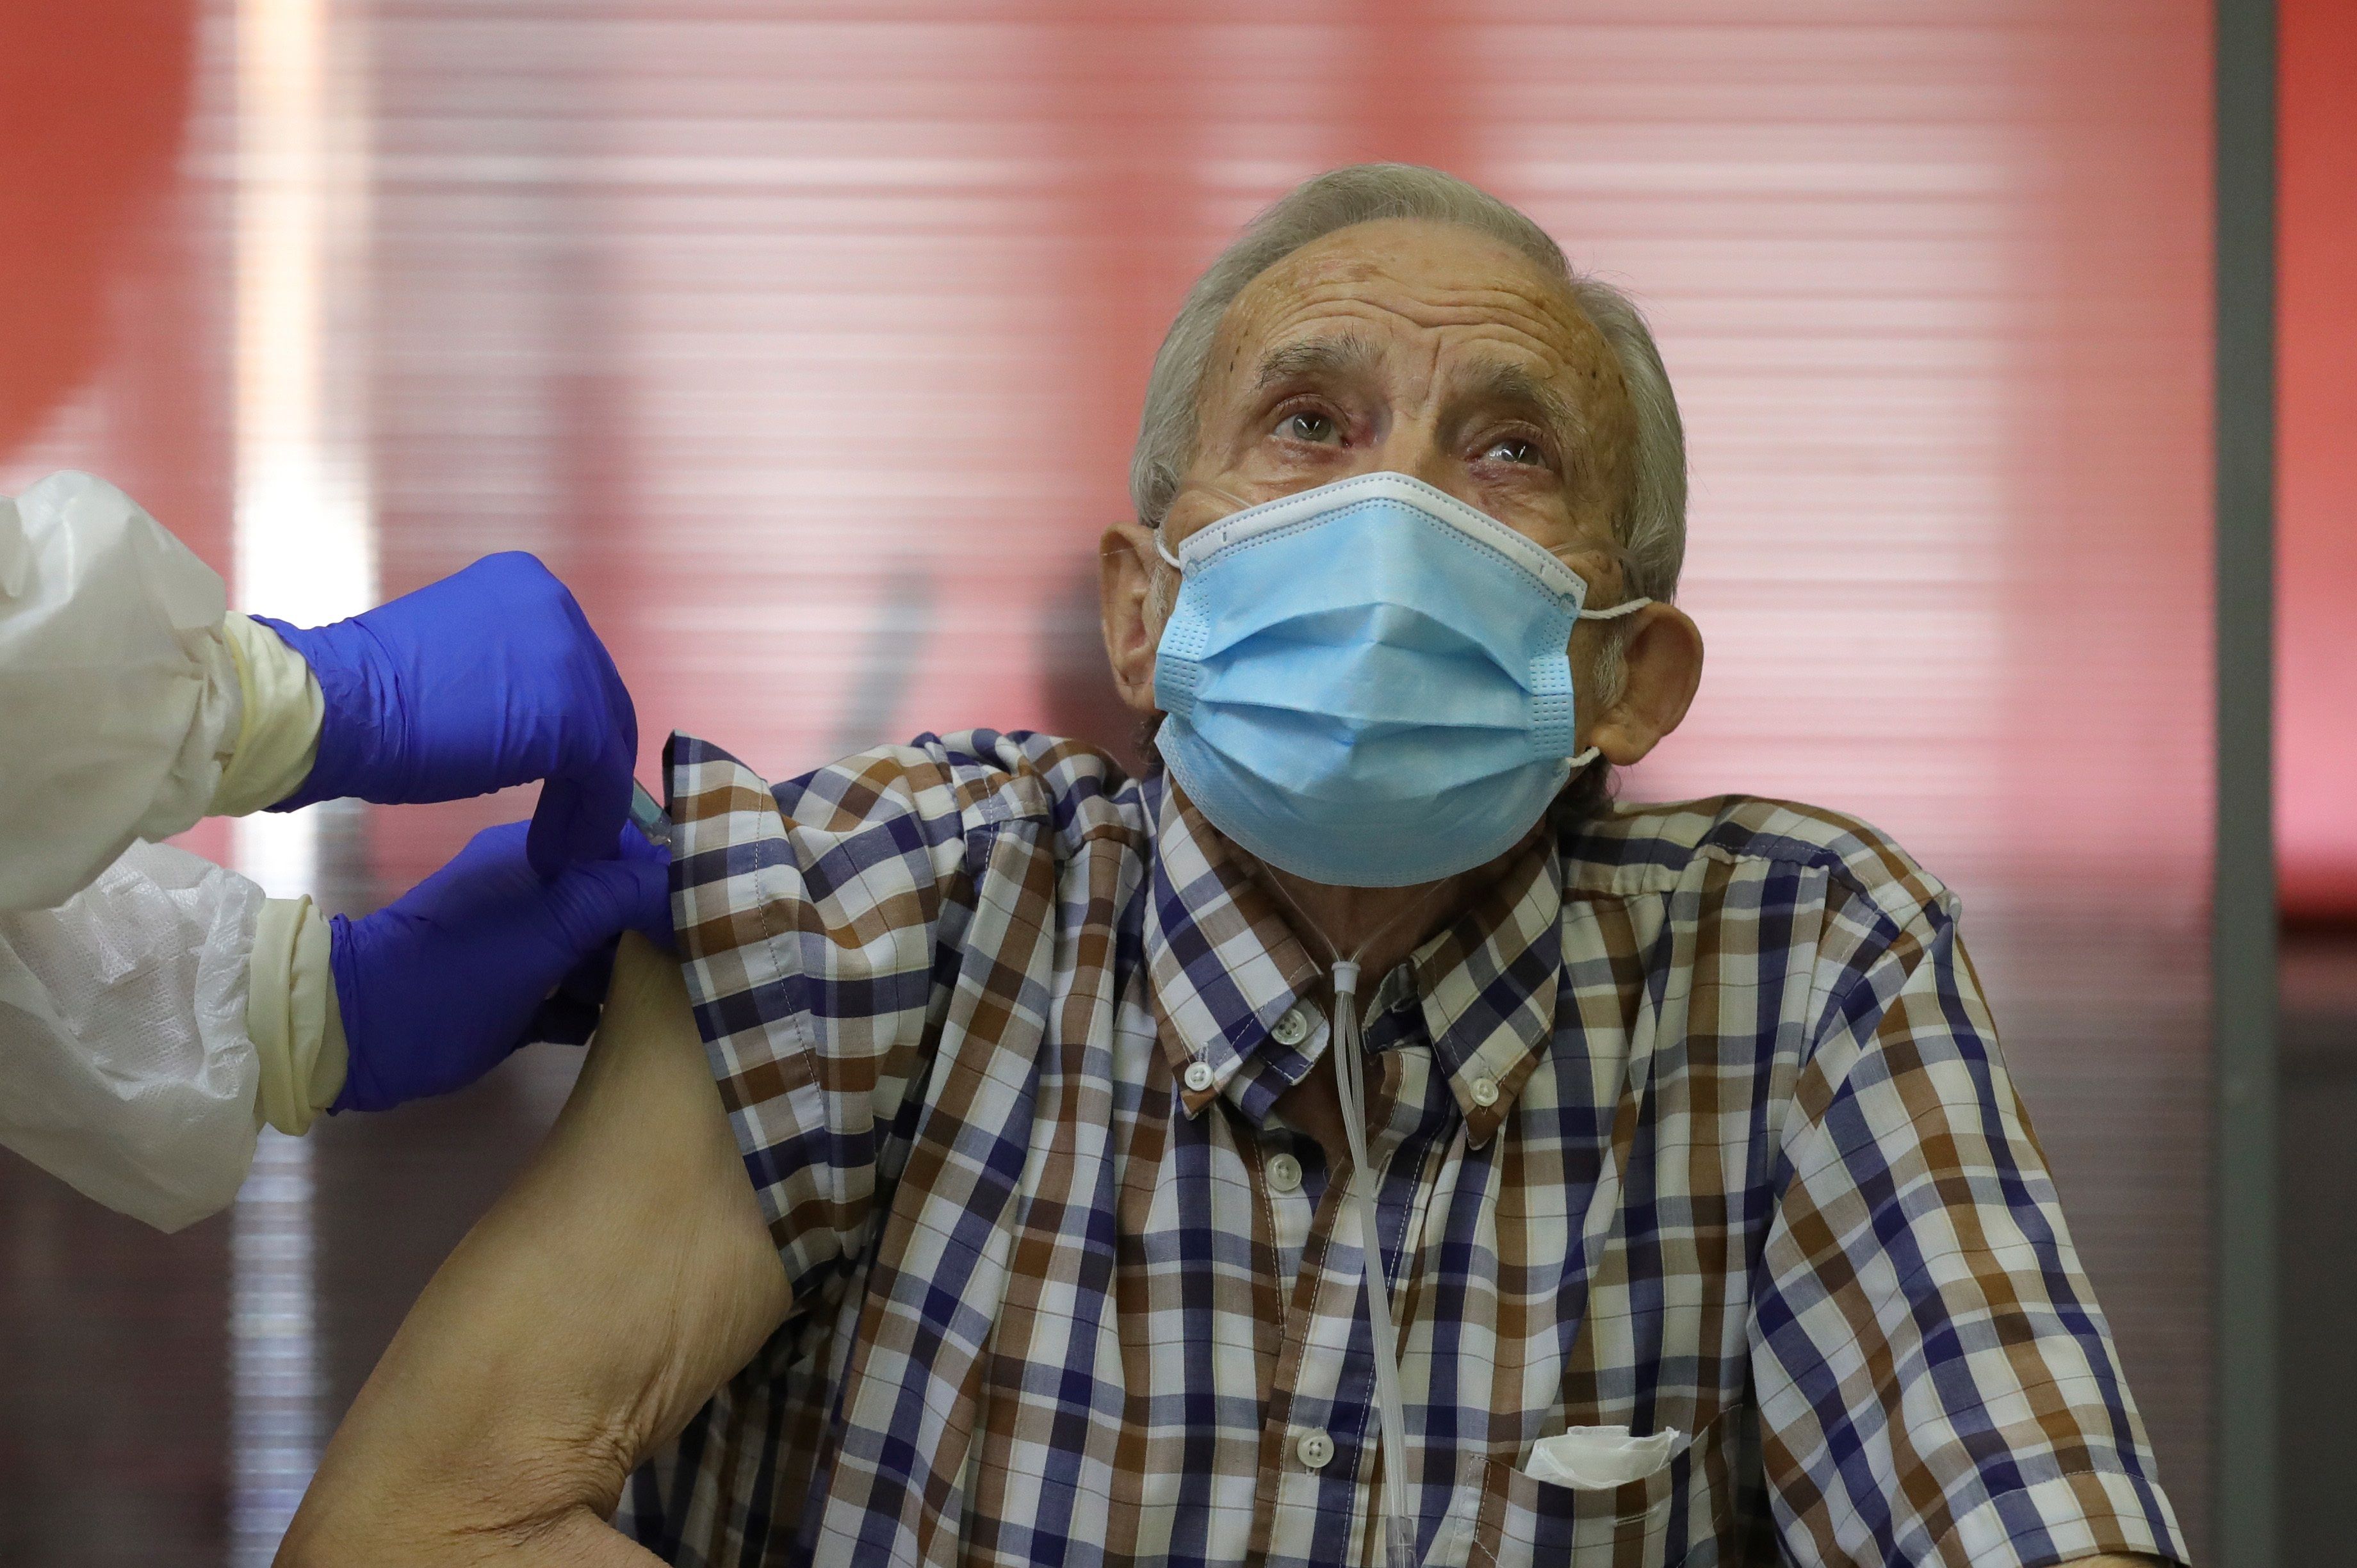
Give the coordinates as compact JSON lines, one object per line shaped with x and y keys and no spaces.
{"x":1340,"y":354}
{"x":1497,"y":381}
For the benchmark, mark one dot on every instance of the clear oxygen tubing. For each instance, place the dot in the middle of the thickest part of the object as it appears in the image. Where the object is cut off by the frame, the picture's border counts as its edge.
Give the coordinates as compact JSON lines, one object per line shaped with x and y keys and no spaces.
{"x":1395,"y":1524}
{"x":1398,"y":1526}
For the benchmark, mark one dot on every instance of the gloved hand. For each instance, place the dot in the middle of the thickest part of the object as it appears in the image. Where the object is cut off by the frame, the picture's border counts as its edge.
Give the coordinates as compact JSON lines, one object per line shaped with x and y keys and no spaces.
{"x":483,"y":956}
{"x":487,"y":677}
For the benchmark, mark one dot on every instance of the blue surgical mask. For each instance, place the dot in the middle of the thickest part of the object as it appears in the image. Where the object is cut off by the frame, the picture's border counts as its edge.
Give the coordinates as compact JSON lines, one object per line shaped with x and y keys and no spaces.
{"x":1367,"y":684}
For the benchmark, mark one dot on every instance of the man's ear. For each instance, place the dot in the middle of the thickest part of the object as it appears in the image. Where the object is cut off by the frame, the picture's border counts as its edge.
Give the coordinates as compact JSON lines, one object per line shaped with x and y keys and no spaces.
{"x":1661,"y":655}
{"x":1125,"y":566}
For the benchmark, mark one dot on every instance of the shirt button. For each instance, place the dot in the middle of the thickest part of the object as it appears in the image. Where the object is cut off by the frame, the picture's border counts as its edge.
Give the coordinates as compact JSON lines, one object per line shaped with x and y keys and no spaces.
{"x":1198,"y":1076}
{"x":1285,"y":1173}
{"x":1292,"y":1027}
{"x":1315,"y":1449}
{"x":1485,"y":1091}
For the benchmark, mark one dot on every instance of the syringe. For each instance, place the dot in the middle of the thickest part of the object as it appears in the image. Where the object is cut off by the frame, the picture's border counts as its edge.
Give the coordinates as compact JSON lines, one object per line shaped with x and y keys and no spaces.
{"x":647,"y":816}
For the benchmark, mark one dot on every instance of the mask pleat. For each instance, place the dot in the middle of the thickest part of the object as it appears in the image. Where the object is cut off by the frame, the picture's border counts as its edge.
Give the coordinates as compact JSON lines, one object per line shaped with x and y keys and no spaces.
{"x":1351,"y":690}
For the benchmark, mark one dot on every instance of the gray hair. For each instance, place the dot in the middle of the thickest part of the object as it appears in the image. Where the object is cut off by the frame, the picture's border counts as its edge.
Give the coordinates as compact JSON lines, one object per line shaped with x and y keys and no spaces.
{"x":1651,"y":528}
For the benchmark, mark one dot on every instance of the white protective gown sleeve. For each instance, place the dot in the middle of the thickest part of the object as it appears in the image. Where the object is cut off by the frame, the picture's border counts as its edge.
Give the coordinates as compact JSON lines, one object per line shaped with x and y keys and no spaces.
{"x":154,"y":1008}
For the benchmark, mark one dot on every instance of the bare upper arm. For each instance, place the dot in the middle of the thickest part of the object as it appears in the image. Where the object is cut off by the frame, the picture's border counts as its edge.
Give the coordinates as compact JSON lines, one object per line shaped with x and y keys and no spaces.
{"x":624,"y":1276}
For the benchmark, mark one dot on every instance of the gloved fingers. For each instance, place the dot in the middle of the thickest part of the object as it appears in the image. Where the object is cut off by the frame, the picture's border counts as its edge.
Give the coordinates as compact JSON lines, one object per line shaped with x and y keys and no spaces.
{"x":588,"y":772}
{"x":599,"y":900}
{"x":591,"y":901}
{"x":582,"y":808}
{"x":569,"y":1015}
{"x":621,"y":714}
{"x":417,"y":1021}
{"x":587,"y":797}
{"x":654,"y":922}
{"x":490,"y":677}
{"x":633,"y":845}
{"x":436,"y":988}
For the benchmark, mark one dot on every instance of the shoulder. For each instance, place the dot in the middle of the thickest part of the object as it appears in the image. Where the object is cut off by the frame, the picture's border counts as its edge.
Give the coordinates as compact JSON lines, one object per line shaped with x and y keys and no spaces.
{"x":1660,"y":846}
{"x":933,"y":790}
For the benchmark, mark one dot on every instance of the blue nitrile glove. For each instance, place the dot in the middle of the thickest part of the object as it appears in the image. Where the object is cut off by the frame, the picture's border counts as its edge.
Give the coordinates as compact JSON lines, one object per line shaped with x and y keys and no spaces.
{"x":487,"y":677}
{"x":483,"y":956}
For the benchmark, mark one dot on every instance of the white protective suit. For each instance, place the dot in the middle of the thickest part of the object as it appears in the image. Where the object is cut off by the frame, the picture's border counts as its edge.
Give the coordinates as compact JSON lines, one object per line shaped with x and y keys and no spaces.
{"x":154,"y":1008}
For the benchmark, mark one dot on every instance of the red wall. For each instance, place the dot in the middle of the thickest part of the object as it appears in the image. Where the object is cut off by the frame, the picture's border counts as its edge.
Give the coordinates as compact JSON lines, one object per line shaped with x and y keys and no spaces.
{"x":2315,"y":338}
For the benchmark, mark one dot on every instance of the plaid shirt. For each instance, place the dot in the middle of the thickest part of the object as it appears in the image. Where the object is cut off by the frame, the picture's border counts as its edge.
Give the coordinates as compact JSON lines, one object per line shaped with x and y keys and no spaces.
{"x":1694,"y":1121}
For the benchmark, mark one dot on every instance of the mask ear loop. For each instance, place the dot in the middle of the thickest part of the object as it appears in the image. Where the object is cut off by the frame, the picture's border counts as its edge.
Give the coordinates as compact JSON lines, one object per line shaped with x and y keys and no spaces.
{"x":1615,"y":613}
{"x":1395,"y":1525}
{"x":1236,"y":503}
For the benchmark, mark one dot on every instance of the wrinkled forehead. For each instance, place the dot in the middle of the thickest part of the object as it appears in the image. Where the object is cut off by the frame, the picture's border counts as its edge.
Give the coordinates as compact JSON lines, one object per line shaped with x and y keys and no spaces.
{"x":1435,"y":300}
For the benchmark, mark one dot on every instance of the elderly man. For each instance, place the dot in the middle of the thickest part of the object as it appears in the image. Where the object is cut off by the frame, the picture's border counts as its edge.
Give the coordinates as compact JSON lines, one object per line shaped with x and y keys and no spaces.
{"x":1657,"y":1195}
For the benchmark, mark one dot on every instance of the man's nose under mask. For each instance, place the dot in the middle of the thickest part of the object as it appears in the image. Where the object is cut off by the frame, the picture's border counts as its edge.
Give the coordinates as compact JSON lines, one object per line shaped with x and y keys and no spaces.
{"x":1367,"y":684}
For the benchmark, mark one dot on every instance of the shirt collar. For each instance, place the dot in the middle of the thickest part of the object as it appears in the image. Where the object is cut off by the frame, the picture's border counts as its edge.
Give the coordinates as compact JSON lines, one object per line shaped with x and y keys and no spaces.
{"x":1488,"y":982}
{"x":1227,"y":970}
{"x":1230,"y":982}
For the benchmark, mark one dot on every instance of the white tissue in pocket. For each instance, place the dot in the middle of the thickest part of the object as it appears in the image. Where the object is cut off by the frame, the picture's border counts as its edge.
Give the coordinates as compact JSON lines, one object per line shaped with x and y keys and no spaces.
{"x":1597,"y":1458}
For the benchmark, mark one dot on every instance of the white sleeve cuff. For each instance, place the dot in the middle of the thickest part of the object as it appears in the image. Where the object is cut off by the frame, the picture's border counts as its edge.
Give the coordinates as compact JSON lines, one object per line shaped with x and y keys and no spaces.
{"x":293,"y":1018}
{"x":125,"y":1067}
{"x":119,"y":689}
{"x":278,"y":738}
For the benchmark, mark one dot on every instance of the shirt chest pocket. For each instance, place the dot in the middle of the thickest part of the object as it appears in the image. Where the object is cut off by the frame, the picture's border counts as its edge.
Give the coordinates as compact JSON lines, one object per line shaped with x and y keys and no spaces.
{"x":1670,"y":1516}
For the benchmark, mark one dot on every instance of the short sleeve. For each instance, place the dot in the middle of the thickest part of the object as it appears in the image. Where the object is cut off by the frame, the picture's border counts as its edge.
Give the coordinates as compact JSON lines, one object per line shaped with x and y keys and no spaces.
{"x":1936,"y":1383}
{"x":807,"y":918}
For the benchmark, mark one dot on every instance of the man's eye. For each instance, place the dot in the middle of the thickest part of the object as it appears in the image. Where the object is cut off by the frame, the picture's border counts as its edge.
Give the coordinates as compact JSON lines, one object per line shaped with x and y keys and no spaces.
{"x":1307,"y":427}
{"x":1515,"y":449}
